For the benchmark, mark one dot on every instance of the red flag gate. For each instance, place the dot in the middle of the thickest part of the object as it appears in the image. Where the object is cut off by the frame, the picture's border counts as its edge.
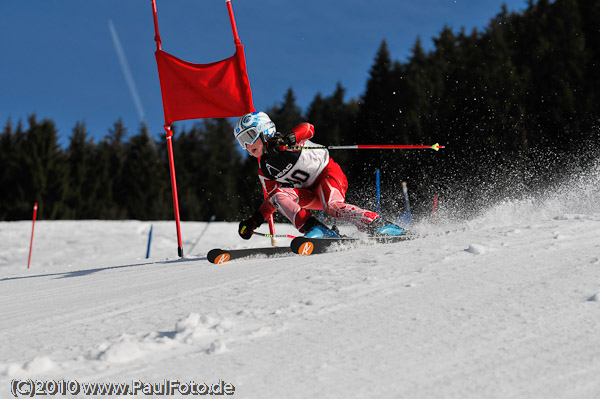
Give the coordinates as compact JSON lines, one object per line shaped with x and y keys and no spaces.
{"x":192,"y":91}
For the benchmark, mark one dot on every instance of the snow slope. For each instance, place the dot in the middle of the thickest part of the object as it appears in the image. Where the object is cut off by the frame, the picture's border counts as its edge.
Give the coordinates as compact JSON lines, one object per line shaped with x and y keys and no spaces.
{"x":506,"y":305}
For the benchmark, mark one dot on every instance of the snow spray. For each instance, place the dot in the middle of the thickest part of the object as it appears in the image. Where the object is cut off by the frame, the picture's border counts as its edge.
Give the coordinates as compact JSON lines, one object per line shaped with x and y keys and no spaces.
{"x":435,"y":201}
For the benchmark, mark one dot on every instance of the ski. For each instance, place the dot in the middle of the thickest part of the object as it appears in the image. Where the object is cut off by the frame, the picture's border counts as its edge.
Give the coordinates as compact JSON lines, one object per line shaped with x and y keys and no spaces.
{"x":310,"y":246}
{"x":301,"y":246}
{"x":220,"y":256}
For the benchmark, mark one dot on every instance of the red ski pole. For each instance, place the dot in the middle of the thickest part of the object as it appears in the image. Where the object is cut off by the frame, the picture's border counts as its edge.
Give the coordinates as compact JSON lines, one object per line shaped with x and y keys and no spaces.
{"x":32,"y":230}
{"x":273,"y":235}
{"x":435,"y":147}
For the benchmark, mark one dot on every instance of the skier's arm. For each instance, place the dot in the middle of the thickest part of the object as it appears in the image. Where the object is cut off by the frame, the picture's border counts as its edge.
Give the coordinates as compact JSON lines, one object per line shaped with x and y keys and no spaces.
{"x":266,"y":209}
{"x":302,"y":132}
{"x":299,"y":134}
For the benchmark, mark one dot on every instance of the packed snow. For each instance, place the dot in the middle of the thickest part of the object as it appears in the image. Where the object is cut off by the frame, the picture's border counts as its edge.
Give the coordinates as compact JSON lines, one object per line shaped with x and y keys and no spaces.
{"x":503,"y":305}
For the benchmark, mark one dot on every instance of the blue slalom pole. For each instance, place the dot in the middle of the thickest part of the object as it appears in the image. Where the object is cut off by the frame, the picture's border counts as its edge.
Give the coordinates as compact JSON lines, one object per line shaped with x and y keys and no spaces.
{"x":378,"y":183}
{"x":149,"y":243}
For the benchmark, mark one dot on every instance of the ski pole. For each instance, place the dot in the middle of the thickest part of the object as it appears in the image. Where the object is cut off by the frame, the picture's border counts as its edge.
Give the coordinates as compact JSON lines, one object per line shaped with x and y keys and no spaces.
{"x":435,"y":147}
{"x":274,"y":235}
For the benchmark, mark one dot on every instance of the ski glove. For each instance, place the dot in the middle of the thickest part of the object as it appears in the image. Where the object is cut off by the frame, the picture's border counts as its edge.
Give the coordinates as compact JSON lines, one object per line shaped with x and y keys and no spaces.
{"x":280,"y":142}
{"x":248,"y":226}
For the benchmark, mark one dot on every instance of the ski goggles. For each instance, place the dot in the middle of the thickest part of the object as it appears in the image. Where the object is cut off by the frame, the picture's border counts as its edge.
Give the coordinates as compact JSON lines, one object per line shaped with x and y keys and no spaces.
{"x":247,"y":137}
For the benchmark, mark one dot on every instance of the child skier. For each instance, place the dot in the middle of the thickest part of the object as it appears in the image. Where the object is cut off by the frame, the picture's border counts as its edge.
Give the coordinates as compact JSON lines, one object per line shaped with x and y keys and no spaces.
{"x":296,"y":180}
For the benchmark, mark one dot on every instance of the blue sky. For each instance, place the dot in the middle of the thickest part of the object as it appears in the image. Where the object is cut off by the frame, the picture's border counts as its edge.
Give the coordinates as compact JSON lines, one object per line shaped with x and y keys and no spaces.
{"x":60,"y":62}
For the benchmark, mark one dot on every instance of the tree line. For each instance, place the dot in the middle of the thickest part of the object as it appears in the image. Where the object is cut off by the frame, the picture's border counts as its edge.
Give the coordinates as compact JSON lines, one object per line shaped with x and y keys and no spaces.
{"x":516,"y":105}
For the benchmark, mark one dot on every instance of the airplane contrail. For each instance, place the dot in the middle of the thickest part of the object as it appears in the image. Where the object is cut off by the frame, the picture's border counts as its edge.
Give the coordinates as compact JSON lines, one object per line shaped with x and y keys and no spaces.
{"x":127,"y":72}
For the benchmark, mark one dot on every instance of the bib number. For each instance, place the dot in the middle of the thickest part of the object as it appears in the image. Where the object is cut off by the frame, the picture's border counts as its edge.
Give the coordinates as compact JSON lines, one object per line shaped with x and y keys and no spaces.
{"x":297,"y":177}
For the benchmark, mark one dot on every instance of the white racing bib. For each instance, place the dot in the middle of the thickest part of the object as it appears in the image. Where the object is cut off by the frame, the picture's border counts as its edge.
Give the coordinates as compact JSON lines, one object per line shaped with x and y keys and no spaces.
{"x":297,"y":169}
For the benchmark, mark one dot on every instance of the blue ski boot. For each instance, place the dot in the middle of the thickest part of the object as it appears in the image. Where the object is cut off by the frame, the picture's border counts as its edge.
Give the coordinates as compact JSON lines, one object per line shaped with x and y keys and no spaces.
{"x":381,"y":228}
{"x":315,"y":229}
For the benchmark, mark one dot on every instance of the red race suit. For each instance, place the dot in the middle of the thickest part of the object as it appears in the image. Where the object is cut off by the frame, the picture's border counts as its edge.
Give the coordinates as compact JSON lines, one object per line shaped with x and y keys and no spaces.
{"x":297,"y":180}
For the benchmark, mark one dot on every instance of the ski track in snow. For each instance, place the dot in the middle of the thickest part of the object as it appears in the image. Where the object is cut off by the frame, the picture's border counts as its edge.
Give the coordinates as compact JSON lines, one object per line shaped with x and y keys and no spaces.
{"x":502,"y":306}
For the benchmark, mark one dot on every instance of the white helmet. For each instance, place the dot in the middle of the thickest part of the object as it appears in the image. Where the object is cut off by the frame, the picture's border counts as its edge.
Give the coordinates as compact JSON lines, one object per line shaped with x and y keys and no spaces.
{"x":252,"y":126}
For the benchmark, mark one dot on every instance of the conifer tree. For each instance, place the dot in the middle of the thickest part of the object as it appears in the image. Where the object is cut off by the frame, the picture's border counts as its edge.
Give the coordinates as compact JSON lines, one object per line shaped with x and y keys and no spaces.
{"x":83,"y":182}
{"x":222,"y":162}
{"x":12,"y":202}
{"x":44,"y":171}
{"x":288,"y":114}
{"x":109,"y":157}
{"x":377,"y":106}
{"x":144,"y":179}
{"x":590,"y":16}
{"x":191,"y":171}
{"x":375,"y":123}
{"x":334,"y":121}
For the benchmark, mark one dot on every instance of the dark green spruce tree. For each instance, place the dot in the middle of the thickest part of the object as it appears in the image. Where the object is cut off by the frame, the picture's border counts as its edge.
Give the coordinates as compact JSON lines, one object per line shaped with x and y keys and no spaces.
{"x":44,"y":175}
{"x":144,"y":180}
{"x":14,"y":203}
{"x":109,"y":158}
{"x":334,"y":121}
{"x":83,"y":182}
{"x":287,"y":114}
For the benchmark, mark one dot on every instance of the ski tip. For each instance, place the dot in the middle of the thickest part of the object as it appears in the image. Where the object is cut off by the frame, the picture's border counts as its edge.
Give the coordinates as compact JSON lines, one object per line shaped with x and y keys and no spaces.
{"x":302,"y":246}
{"x":218,"y":256}
{"x":306,"y":248}
{"x":223,"y":258}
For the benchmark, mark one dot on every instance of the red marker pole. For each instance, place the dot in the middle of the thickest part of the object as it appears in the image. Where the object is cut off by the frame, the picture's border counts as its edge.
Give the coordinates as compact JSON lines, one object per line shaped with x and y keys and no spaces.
{"x":32,"y":230}
{"x":174,"y":188}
